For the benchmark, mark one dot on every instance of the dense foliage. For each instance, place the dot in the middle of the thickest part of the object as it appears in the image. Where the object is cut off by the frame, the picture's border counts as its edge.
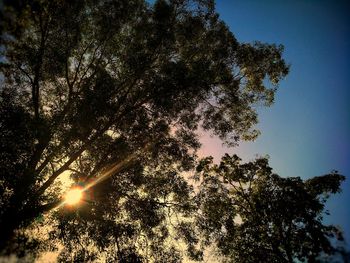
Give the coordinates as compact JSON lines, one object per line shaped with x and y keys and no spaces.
{"x":262,"y":217}
{"x":96,"y":86}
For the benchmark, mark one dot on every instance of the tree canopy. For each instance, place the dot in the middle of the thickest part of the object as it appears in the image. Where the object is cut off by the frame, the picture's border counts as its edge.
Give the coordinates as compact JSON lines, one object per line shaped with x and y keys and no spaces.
{"x":262,"y":217}
{"x":117,"y":90}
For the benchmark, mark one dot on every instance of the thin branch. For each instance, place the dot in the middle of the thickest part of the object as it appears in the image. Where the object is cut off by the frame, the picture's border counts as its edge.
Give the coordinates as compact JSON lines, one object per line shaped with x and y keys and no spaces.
{"x":80,"y":62}
{"x":25,"y":73}
{"x":63,"y":168}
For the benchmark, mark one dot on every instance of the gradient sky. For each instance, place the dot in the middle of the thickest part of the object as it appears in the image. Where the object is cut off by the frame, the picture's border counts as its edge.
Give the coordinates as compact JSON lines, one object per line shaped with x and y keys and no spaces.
{"x":306,"y":132}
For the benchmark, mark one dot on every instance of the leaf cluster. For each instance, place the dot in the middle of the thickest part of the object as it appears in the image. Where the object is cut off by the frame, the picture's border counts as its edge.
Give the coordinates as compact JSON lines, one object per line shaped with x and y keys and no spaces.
{"x":254,"y":215}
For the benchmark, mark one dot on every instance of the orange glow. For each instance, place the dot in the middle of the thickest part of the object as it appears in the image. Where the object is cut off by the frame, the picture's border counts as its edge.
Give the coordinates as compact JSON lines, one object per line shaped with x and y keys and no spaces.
{"x":74,"y":196}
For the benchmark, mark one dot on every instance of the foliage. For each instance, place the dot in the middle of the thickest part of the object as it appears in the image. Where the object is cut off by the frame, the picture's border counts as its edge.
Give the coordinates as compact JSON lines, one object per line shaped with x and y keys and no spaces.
{"x":119,"y":88}
{"x":87,"y":84}
{"x":254,"y":215}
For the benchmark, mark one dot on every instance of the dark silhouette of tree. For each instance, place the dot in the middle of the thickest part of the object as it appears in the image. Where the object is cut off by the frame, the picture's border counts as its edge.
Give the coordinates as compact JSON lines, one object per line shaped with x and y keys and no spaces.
{"x":87,"y":84}
{"x":119,"y":88}
{"x":254,"y":215}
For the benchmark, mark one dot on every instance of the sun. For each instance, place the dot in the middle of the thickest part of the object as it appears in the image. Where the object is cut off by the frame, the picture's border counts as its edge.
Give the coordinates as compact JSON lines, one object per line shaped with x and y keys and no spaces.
{"x":73,"y":196}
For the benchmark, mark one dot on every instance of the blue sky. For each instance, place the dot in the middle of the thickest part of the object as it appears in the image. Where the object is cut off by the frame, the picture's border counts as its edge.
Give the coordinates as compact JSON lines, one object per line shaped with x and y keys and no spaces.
{"x":306,"y":132}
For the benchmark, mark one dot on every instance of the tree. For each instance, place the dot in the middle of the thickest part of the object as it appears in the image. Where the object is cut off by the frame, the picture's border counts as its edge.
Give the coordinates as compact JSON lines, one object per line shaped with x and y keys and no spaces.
{"x":254,"y":215}
{"x":98,"y":84}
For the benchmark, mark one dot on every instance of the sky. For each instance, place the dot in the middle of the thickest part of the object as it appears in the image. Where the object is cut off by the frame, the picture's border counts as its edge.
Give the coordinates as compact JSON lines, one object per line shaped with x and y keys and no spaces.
{"x":306,"y":132}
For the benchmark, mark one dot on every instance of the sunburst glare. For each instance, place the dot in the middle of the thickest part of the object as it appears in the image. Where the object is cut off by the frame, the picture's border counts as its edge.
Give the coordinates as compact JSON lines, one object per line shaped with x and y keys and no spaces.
{"x":74,"y":196}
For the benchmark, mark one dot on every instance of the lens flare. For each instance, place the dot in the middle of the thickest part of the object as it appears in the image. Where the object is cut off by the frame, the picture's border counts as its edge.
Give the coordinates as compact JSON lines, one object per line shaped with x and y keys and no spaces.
{"x":74,"y":196}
